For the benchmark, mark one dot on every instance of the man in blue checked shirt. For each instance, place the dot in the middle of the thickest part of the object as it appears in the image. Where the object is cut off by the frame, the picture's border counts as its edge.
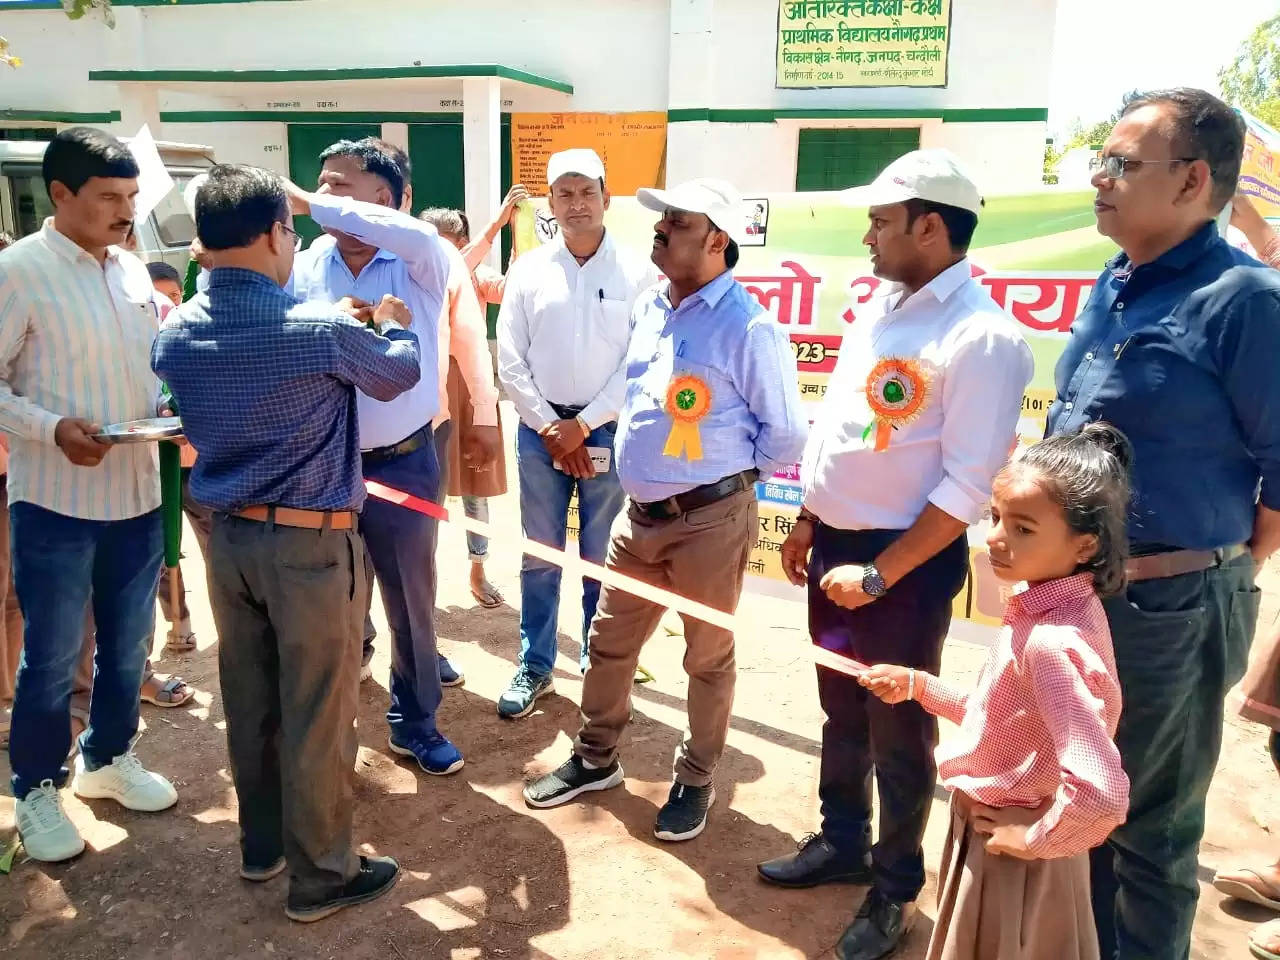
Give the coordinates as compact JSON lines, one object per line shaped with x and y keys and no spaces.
{"x":266,"y":386}
{"x":376,"y":249}
{"x":711,"y":404}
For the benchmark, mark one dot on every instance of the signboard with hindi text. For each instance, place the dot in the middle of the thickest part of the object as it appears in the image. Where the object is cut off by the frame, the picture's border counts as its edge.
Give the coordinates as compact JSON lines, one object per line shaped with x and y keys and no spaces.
{"x":1037,"y":255}
{"x":633,"y":146}
{"x":1260,"y":171}
{"x":863,"y":43}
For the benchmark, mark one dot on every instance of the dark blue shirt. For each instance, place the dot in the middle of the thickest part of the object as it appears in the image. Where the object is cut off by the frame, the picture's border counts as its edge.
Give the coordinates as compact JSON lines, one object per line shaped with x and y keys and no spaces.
{"x":1183,"y":355}
{"x":265,"y":385}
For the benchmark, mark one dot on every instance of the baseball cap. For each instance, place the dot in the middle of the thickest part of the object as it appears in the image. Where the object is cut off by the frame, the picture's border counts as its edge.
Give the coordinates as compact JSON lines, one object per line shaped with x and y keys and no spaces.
{"x":934,"y":175}
{"x":718,"y":199}
{"x":584,"y":162}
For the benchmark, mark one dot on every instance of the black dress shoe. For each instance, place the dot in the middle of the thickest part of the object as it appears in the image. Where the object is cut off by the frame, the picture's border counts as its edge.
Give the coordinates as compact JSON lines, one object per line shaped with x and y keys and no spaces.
{"x":376,"y":876}
{"x":878,"y":928}
{"x":815,"y":861}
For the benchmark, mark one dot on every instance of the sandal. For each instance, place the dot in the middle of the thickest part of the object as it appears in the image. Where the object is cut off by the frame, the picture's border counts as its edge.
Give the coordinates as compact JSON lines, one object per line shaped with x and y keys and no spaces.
{"x":179,"y":641}
{"x":173,"y":692}
{"x":488,"y":597}
{"x":1247,"y":884}
{"x":1264,"y":940}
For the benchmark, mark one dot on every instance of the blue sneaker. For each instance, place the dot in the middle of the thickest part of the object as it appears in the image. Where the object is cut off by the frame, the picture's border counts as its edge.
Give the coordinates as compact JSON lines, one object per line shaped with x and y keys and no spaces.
{"x":523,"y":694}
{"x":449,"y":677}
{"x":433,"y":751}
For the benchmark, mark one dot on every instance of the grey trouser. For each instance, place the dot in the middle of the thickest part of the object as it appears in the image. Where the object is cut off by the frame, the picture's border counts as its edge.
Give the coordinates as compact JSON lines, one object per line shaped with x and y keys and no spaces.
{"x":288,"y":604}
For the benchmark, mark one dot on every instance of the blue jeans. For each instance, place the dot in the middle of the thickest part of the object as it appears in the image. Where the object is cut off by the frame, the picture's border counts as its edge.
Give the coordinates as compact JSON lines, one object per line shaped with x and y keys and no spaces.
{"x":544,"y":517}
{"x":477,"y":508}
{"x":402,"y":545}
{"x":60,"y":565}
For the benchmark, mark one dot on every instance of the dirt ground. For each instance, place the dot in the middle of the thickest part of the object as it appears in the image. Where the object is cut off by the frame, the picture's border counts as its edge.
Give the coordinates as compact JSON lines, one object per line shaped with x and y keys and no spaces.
{"x":486,"y":877}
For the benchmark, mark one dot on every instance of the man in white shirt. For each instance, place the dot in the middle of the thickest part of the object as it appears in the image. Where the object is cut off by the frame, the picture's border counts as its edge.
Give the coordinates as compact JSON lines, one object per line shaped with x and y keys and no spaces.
{"x":377,"y":249}
{"x":562,"y":343}
{"x":76,"y":326}
{"x":919,"y":416}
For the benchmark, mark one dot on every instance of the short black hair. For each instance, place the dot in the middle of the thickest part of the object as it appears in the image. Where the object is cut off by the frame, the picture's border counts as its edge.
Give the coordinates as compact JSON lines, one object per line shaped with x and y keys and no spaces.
{"x":1203,"y":128}
{"x":78,"y":153}
{"x":731,"y":254}
{"x":450,"y":223}
{"x":237,"y":204}
{"x":960,"y":223}
{"x":159,"y":270}
{"x":377,"y":157}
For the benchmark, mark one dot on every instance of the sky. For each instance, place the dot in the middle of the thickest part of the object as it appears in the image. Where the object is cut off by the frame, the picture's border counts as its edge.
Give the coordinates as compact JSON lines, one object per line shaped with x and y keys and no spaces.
{"x":1105,"y":48}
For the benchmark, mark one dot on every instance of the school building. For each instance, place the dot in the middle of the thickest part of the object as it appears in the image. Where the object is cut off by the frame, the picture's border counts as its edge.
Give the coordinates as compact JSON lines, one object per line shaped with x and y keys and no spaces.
{"x":754,"y":91}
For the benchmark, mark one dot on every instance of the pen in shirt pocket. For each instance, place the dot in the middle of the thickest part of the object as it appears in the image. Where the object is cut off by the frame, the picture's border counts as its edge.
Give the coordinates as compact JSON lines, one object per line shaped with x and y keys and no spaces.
{"x":680,"y":349}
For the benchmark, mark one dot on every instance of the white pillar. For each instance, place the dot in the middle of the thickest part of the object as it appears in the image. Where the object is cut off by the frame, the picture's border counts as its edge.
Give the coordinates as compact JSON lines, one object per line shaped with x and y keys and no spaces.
{"x":482,"y":150}
{"x":397,"y":134}
{"x":139,"y":104}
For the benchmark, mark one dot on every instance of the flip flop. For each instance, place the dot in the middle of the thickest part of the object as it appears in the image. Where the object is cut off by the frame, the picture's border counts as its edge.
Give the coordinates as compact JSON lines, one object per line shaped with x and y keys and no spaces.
{"x":1264,"y":941}
{"x":179,"y":642}
{"x":1247,"y":884}
{"x":173,"y":692}
{"x":488,"y":600}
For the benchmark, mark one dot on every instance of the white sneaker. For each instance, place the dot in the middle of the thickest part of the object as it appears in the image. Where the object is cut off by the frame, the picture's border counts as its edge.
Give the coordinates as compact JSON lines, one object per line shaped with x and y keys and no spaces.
{"x":125,"y":781}
{"x":46,"y":832}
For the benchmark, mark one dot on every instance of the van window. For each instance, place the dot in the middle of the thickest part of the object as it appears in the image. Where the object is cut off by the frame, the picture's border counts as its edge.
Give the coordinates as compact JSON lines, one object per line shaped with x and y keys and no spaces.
{"x":173,"y":224}
{"x":31,"y":204}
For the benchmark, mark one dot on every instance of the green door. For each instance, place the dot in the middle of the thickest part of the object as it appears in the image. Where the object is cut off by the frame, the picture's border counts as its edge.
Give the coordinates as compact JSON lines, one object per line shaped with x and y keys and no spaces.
{"x":836,"y":159}
{"x":306,"y":142}
{"x":435,"y":149}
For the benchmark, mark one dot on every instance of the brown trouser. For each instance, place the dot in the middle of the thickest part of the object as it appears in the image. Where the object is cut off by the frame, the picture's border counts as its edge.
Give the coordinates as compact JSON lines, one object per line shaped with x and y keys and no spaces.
{"x":289,"y":607}
{"x":701,"y":555}
{"x":993,"y":907}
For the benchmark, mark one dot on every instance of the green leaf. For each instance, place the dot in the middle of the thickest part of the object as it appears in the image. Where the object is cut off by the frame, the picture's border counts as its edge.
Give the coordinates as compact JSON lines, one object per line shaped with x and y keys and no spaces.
{"x":6,"y":861}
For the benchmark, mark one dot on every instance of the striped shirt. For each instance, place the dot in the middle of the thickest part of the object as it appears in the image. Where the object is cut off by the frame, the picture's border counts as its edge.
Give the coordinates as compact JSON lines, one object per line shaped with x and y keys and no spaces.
{"x":1041,"y":721}
{"x":75,"y":341}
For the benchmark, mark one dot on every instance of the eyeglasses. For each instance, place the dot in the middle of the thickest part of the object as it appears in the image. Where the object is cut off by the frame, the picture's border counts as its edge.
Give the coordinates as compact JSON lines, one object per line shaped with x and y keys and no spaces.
{"x":297,"y":239}
{"x":1115,"y":167}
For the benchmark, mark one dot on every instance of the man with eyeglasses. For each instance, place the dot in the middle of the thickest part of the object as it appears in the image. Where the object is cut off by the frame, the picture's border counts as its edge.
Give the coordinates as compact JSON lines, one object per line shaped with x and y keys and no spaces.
{"x":1177,"y":347}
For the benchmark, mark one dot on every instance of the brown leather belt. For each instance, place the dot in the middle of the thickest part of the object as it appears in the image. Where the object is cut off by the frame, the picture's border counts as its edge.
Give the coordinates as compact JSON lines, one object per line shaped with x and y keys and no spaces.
{"x":414,"y":441}
{"x":307,"y":519}
{"x":702,"y":496}
{"x":1157,"y":566}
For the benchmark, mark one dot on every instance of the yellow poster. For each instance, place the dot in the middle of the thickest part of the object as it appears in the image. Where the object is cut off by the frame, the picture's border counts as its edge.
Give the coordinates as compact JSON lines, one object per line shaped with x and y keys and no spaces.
{"x":633,"y":147}
{"x":863,"y":43}
{"x":1260,"y":171}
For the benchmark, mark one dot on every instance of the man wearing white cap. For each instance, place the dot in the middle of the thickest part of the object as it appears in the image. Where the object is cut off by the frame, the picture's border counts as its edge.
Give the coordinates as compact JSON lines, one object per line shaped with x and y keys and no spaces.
{"x":919,"y":415}
{"x":562,"y":340}
{"x":711,"y":403}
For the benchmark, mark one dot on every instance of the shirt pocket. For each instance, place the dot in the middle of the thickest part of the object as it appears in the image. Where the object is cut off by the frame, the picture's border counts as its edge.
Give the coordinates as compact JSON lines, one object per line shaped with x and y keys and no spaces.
{"x":711,"y":387}
{"x":615,"y":321}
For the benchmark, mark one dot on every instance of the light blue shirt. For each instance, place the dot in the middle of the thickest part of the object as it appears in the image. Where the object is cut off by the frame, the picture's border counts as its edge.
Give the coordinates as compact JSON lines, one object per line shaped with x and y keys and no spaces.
{"x":411,"y":264}
{"x":721,"y":336}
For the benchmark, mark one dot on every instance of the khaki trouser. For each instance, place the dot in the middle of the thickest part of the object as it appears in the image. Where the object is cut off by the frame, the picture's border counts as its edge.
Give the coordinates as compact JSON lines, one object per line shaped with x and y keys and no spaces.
{"x":289,"y":607}
{"x":702,"y":555}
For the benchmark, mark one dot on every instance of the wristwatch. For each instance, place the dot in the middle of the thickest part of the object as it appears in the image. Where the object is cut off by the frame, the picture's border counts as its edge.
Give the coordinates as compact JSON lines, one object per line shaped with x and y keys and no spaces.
{"x":873,"y":584}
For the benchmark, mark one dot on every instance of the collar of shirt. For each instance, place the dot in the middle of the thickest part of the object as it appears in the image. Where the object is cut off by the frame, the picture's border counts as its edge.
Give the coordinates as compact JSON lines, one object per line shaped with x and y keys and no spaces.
{"x":1037,"y":599}
{"x":64,"y":246}
{"x":1177,"y":258}
{"x":238,"y":276}
{"x":710,"y":293}
{"x":328,"y":248}
{"x":940,"y":288}
{"x":563,"y":253}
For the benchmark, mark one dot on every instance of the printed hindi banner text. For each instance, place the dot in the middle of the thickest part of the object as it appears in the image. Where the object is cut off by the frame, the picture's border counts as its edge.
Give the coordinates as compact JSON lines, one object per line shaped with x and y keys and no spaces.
{"x":633,"y":146}
{"x":863,"y":43}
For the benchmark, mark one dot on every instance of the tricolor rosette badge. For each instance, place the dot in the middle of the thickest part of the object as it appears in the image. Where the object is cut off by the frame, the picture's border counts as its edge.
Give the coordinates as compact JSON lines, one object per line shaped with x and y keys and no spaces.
{"x":688,"y":401}
{"x":897,"y":390}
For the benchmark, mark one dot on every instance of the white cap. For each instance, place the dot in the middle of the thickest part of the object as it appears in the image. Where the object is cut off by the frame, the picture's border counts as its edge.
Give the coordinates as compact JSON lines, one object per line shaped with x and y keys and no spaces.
{"x":934,"y":175}
{"x":718,"y":199}
{"x":585,"y":163}
{"x":189,"y":193}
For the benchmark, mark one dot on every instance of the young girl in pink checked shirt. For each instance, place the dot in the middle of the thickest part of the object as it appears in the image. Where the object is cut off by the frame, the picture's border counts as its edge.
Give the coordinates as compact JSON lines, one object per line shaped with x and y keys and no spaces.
{"x":1034,"y":775}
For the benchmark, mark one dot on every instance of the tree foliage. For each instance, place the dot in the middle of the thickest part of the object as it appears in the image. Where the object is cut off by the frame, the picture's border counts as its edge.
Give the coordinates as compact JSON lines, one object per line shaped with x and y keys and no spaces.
{"x":1252,"y":80}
